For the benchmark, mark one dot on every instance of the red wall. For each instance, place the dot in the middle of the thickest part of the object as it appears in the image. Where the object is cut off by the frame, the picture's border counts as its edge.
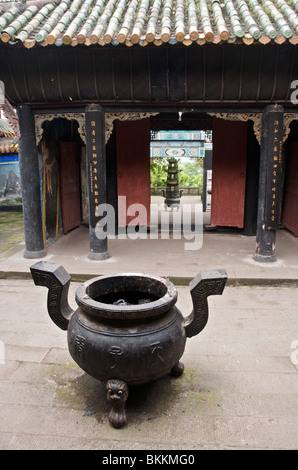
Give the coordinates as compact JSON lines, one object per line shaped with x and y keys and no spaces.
{"x":133,"y":169}
{"x":290,"y":215}
{"x":228,"y":173}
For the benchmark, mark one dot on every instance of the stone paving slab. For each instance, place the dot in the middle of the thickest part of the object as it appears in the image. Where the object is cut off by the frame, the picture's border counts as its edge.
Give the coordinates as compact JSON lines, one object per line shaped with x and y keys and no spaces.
{"x":165,"y":257}
{"x":239,"y":389}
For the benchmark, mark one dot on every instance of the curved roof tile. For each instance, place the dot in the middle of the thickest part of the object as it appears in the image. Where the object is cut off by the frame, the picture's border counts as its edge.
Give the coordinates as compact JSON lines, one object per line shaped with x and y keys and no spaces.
{"x":5,"y":129}
{"x":130,"y":22}
{"x":8,"y":140}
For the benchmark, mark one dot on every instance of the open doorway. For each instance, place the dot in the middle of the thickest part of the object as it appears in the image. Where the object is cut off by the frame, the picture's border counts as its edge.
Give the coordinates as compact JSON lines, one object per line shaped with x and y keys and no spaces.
{"x":129,"y":159}
{"x":62,"y":178}
{"x":181,"y":172}
{"x":289,"y":216}
{"x":222,"y":157}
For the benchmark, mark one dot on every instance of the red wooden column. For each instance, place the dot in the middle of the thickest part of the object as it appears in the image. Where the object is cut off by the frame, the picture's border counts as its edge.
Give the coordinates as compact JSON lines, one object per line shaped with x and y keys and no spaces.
{"x":133,"y":171}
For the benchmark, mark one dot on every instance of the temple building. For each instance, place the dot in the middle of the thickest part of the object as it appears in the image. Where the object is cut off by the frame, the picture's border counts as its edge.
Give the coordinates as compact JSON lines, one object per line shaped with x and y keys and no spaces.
{"x":10,"y":183}
{"x":90,"y":79}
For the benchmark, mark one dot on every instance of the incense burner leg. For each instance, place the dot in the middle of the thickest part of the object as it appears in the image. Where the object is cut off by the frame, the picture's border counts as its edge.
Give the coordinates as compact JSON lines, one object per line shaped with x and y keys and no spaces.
{"x":117,"y":393}
{"x":177,"y":370}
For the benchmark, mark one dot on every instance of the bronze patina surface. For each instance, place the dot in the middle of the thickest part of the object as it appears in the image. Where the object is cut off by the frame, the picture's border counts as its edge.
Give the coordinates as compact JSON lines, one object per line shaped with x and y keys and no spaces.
{"x":127,"y":330}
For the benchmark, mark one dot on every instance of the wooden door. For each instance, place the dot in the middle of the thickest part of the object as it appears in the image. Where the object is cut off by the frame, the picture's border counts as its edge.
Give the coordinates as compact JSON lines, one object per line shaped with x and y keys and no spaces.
{"x":290,"y":213}
{"x":133,"y":171}
{"x":228,"y":173}
{"x":70,"y":185}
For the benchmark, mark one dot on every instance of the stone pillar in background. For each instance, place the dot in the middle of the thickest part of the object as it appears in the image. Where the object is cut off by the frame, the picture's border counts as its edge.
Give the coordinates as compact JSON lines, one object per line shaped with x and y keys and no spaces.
{"x":29,"y":171}
{"x":97,"y":179}
{"x":270,"y":183}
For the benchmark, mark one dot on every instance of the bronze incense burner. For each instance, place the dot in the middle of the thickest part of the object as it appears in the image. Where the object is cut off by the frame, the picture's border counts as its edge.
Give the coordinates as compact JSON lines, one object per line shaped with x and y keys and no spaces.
{"x":127,"y":329}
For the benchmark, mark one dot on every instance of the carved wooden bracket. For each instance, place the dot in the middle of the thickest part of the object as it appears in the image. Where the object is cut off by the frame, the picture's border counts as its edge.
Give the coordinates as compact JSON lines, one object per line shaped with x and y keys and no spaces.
{"x":255,"y":117}
{"x":80,"y":118}
{"x":288,"y":118}
{"x":41,"y":118}
{"x":257,"y":120}
{"x":111,"y":117}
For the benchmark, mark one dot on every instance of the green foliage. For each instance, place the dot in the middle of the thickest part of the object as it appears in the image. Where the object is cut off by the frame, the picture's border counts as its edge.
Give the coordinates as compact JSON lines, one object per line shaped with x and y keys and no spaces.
{"x":158,"y":172}
{"x":190,"y":172}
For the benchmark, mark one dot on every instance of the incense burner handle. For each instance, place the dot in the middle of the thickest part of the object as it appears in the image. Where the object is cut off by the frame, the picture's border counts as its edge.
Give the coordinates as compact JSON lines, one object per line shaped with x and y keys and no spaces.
{"x":204,"y":284}
{"x":57,"y":280}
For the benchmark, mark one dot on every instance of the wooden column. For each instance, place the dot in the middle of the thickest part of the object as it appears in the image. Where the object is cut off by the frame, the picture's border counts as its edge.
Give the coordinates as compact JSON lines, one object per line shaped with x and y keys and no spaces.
{"x":97,"y":179}
{"x":29,"y":171}
{"x":270,"y":183}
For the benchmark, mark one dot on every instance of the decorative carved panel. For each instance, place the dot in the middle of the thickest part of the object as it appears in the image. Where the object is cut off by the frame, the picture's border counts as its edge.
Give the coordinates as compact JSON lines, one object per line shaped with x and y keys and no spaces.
{"x":80,"y":118}
{"x":41,"y":118}
{"x":257,"y":120}
{"x":111,"y":117}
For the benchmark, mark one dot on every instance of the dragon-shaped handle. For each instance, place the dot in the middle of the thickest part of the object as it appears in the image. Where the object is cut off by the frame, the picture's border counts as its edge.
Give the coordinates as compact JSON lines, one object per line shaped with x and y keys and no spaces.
{"x":204,"y":284}
{"x":57,"y":280}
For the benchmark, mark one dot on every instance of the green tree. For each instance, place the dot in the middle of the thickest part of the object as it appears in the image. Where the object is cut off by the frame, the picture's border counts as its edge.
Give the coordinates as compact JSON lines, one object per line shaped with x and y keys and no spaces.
{"x":190,"y":174}
{"x":158,"y":172}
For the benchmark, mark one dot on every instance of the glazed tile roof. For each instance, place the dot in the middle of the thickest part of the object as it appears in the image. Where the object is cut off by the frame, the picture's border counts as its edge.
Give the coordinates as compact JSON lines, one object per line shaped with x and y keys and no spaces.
{"x":72,"y":22}
{"x":11,"y":123}
{"x":9,"y":145}
{"x":8,"y":139}
{"x":5,"y":129}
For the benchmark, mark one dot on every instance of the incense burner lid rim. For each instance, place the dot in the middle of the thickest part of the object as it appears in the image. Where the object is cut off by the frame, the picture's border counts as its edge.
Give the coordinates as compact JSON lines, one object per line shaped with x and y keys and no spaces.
{"x":86,"y":299}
